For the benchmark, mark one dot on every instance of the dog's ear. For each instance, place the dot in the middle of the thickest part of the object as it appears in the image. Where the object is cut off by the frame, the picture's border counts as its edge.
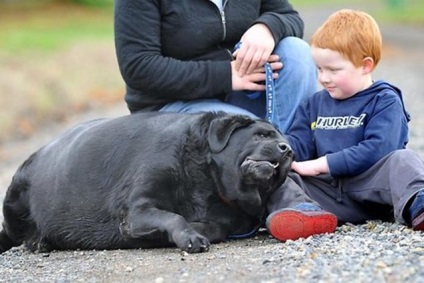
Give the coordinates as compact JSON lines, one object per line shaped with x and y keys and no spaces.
{"x":221,"y":129}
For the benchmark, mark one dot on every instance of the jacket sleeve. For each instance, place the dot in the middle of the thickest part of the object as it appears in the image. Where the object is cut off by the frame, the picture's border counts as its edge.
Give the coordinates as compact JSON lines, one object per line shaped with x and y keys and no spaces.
{"x":282,"y":20}
{"x":137,"y":28}
{"x":386,"y":131}
{"x":300,"y":134}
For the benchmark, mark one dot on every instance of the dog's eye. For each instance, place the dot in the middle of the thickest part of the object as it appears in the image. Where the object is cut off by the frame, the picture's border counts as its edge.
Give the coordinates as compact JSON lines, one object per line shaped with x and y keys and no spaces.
{"x":266,"y":135}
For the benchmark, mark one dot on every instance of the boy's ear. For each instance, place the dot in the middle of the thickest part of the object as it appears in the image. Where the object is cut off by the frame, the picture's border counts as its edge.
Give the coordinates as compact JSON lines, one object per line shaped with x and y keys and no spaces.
{"x":367,"y":65}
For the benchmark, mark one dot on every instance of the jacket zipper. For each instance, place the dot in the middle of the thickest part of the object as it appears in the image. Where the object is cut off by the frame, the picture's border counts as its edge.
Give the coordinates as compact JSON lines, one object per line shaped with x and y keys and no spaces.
{"x":224,"y":26}
{"x":223,"y":20}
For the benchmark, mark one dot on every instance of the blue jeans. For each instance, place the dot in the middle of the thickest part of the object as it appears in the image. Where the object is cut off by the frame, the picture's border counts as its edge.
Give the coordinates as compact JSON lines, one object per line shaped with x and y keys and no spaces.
{"x":296,"y":80}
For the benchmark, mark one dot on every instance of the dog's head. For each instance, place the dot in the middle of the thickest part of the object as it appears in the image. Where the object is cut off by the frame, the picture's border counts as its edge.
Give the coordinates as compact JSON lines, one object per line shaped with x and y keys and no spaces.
{"x":251,"y":160}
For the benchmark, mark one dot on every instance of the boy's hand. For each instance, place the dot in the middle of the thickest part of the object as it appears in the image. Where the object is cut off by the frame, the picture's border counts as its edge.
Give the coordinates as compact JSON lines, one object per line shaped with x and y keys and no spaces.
{"x":311,"y":167}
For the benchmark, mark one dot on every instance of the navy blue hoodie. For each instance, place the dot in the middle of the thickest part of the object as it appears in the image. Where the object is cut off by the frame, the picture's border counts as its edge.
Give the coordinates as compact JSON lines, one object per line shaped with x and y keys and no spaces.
{"x":353,"y":133}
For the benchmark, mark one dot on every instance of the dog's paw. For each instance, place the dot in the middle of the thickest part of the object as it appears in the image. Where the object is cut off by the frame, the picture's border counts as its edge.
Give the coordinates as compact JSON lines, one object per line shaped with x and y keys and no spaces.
{"x":192,"y":242}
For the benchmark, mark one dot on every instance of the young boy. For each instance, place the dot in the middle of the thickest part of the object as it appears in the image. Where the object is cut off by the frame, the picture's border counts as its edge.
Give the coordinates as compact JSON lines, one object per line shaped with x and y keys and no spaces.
{"x":349,"y":139}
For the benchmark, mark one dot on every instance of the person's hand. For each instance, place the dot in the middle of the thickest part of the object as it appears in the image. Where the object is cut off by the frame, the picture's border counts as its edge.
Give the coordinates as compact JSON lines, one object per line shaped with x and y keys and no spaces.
{"x":311,"y":167}
{"x":257,"y":44}
{"x":253,"y":81}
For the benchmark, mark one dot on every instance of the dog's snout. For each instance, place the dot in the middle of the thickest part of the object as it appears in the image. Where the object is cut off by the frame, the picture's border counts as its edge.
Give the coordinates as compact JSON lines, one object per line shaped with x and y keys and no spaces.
{"x":284,"y":147}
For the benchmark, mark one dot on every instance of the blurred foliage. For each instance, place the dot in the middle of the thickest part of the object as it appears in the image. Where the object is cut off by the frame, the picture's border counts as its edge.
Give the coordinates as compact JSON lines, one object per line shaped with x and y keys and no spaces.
{"x":402,"y":11}
{"x":57,"y":57}
{"x":98,"y":3}
{"x":48,"y":26}
{"x":390,"y":11}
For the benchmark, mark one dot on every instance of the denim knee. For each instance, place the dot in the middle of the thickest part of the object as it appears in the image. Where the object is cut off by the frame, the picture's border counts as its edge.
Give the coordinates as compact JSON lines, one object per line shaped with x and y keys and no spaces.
{"x":295,"y":54}
{"x":293,"y":46}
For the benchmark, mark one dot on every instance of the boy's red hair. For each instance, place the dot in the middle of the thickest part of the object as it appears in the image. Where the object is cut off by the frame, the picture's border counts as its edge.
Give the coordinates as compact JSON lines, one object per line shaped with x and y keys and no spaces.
{"x":354,"y":34}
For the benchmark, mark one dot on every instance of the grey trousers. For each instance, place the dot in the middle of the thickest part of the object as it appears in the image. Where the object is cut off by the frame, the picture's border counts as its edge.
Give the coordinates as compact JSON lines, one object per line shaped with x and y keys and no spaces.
{"x":381,"y":192}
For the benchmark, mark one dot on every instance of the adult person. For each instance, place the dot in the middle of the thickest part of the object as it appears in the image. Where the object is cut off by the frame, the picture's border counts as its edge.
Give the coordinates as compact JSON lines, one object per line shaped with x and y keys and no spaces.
{"x":179,"y":56}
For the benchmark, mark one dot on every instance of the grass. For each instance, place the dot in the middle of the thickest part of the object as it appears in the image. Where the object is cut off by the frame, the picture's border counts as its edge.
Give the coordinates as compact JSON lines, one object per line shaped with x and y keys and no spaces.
{"x":388,"y":11}
{"x":403,"y":11}
{"x":315,"y":3}
{"x":49,"y":27}
{"x":38,"y":37}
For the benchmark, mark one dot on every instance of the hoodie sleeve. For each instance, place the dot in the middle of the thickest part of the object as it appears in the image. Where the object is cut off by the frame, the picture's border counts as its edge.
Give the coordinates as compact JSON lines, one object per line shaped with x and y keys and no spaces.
{"x":300,"y":134}
{"x":282,"y":20}
{"x":386,"y":131}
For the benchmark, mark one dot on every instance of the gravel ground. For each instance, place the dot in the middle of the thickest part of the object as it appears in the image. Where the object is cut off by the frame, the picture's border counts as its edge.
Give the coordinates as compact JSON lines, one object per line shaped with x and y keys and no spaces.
{"x":373,"y":252}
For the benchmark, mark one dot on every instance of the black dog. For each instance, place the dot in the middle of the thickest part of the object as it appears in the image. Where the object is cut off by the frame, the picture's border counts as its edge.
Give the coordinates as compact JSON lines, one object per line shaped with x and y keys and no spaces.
{"x":146,"y":180}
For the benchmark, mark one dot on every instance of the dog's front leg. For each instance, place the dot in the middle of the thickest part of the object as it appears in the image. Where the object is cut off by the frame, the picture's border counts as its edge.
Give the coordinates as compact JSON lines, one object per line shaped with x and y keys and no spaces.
{"x":143,"y":223}
{"x":215,"y":232}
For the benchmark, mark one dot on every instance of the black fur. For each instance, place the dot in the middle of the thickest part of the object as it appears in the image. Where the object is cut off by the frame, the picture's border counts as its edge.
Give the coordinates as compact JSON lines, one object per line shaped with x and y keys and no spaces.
{"x":146,"y":180}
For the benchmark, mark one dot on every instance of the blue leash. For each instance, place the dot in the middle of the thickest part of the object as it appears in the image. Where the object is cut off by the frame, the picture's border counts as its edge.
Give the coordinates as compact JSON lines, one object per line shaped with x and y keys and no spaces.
{"x":246,"y":235}
{"x":269,"y":91}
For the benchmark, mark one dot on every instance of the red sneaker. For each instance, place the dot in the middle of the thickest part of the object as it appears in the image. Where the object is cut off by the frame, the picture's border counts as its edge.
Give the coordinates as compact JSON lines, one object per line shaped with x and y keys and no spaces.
{"x":292,"y":224}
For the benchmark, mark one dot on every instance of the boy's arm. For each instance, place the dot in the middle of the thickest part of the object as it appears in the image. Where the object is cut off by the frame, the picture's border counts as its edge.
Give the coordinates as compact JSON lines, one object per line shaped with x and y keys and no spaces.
{"x":311,"y":167}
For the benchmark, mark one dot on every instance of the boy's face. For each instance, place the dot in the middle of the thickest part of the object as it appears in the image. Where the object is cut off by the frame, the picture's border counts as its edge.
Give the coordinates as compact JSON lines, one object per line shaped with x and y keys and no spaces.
{"x":338,"y":75}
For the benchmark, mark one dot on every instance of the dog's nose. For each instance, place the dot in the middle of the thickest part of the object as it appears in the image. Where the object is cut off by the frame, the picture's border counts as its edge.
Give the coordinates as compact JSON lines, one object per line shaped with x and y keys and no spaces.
{"x":284,"y":147}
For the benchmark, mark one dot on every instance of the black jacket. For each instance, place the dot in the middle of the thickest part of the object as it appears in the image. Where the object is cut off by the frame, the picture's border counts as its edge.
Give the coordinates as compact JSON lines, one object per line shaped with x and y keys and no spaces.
{"x":181,"y":50}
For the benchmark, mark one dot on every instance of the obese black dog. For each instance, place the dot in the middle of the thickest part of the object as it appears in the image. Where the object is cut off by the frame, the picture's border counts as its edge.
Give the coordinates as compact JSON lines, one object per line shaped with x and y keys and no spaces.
{"x":146,"y":180}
